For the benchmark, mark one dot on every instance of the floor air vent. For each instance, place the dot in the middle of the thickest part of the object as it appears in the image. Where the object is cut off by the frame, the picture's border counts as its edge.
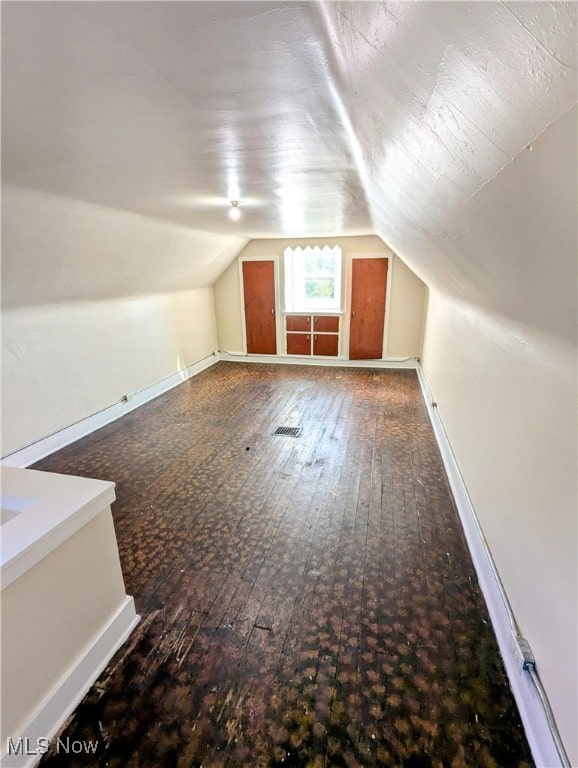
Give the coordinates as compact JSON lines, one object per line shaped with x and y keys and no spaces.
{"x":288,"y":431}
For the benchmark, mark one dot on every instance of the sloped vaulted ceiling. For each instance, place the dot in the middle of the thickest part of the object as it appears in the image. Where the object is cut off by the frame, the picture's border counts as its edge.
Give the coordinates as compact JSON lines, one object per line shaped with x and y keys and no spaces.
{"x":464,"y":116}
{"x":415,"y":120}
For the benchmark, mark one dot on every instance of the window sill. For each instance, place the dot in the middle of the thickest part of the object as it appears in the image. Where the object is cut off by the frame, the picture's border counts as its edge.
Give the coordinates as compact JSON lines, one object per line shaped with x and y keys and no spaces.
{"x":317,"y":312}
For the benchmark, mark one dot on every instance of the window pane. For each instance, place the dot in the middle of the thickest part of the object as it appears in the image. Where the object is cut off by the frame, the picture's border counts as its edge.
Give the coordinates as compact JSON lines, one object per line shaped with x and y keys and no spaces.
{"x":313,"y":279}
{"x":320,"y":264}
{"x":316,"y":287}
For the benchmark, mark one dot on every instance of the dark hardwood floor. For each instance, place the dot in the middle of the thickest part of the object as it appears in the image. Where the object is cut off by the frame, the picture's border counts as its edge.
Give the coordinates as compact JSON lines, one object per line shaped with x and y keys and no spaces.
{"x":305,"y":601}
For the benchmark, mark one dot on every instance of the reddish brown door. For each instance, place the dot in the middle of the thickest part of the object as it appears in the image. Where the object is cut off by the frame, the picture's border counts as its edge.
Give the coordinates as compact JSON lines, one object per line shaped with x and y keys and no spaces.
{"x":259,"y":291}
{"x":368,"y":284}
{"x":298,"y":343}
{"x":325,"y":344}
{"x":298,"y":322}
{"x":328,"y":323}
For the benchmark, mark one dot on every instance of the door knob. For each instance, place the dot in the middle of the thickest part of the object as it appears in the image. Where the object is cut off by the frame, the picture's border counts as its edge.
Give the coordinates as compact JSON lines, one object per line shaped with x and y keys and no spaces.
{"x":352,"y":313}
{"x":273,"y":311}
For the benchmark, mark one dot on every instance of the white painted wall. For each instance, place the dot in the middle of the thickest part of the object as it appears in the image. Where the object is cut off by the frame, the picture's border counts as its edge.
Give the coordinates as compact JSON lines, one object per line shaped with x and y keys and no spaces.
{"x":228,"y":310}
{"x":63,"y":362}
{"x":507,"y":396}
{"x":78,"y":331}
{"x":407,"y":297}
{"x":407,"y":312}
{"x":501,"y":361}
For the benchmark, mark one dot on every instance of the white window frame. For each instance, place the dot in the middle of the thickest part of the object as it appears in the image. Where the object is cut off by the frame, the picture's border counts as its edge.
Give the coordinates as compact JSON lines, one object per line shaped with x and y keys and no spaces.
{"x":294,"y":277}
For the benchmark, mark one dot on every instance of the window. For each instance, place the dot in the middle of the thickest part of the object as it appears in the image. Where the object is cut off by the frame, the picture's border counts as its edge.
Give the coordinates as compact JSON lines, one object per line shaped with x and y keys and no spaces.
{"x":312,"y":279}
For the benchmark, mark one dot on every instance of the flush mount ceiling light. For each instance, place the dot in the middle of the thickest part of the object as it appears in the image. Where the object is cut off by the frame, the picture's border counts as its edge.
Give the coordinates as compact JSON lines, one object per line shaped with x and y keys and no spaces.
{"x":234,"y":213}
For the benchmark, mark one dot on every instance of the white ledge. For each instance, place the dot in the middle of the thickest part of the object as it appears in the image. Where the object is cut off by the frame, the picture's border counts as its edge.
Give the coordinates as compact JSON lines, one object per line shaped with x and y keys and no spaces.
{"x":329,"y":361}
{"x":43,"y":510}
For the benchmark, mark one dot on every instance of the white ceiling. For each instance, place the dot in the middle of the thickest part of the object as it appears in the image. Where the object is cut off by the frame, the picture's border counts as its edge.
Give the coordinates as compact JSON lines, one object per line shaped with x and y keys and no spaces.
{"x":169,"y":109}
{"x":449,"y":128}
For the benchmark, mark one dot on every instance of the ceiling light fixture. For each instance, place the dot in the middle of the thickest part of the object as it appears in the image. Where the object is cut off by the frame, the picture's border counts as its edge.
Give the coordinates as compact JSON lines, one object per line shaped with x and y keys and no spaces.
{"x":235,"y":213}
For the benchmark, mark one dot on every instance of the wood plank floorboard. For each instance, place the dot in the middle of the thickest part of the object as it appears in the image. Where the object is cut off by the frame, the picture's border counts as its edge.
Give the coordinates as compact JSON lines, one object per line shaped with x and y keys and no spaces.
{"x":306,"y":601}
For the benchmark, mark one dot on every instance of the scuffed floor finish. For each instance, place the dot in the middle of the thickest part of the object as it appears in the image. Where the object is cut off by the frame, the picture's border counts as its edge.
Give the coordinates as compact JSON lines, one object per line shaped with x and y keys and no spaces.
{"x":306,"y":601}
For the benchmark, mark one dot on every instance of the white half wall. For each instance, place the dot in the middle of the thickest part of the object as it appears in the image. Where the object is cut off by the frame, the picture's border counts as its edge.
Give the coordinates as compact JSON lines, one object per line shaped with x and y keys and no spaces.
{"x":507,"y":395}
{"x":64,"y":607}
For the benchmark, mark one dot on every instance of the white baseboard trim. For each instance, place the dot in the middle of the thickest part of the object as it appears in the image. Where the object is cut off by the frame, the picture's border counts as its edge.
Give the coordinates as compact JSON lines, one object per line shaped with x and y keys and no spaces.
{"x":32,"y":453}
{"x":24,"y":457}
{"x":532,"y":713}
{"x":338,"y":362}
{"x":71,"y":689}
